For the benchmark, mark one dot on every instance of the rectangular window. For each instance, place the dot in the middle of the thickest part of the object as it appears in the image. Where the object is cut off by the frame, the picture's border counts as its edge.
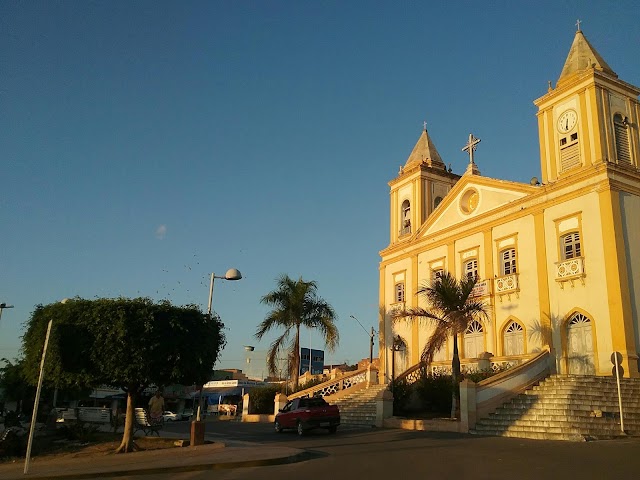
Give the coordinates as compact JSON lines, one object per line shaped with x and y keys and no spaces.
{"x":436,"y":274}
{"x":471,"y":268}
{"x":508,"y":259}
{"x":571,"y":246}
{"x":399,"y":292}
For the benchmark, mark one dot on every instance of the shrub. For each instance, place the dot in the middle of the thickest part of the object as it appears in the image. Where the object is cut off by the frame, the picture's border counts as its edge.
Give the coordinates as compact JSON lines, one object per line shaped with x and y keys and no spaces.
{"x":79,"y":431}
{"x":401,"y":396}
{"x":435,"y":392}
{"x":261,"y":399}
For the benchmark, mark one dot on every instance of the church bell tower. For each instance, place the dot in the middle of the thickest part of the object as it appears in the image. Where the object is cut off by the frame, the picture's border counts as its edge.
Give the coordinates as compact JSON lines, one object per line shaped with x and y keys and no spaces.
{"x":418,"y":189}
{"x":590,"y":117}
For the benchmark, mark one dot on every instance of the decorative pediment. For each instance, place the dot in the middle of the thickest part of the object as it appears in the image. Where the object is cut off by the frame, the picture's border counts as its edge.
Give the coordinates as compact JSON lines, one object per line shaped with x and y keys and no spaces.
{"x":471,"y":197}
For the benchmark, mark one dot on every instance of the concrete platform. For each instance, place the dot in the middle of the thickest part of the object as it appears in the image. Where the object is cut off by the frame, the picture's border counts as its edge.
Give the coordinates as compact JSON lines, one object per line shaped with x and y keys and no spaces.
{"x":183,"y":459}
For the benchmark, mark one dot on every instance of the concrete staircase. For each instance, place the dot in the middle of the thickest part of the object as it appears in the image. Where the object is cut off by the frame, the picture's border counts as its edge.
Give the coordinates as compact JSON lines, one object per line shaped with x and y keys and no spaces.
{"x":359,"y":407}
{"x":568,"y":407}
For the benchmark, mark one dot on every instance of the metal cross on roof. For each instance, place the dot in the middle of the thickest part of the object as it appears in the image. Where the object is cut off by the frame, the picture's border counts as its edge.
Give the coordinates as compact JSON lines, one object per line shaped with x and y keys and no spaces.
{"x":424,"y":124}
{"x":578,"y":24}
{"x":471,"y":146}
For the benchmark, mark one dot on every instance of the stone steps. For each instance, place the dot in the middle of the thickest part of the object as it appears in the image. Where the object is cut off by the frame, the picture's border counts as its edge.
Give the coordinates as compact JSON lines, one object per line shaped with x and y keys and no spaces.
{"x":359,"y":408}
{"x":565,"y":408}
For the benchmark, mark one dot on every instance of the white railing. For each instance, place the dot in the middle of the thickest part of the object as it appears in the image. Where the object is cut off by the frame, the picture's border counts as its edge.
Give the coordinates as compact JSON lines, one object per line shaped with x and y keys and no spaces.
{"x":398,"y":306}
{"x":332,"y":387}
{"x":506,"y":284}
{"x":571,"y":268}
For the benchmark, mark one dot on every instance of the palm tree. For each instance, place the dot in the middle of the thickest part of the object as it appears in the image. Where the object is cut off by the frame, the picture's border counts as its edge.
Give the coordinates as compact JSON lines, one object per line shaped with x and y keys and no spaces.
{"x":295,"y":304}
{"x":451,"y":309}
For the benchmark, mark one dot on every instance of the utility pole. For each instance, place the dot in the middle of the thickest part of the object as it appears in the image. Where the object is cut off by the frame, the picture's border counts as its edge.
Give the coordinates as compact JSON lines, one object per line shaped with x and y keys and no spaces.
{"x":2,"y":307}
{"x":371,"y":337}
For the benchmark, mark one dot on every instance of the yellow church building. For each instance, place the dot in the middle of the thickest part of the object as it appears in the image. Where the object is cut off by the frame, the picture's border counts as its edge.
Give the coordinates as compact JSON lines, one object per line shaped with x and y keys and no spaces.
{"x":558,"y":259}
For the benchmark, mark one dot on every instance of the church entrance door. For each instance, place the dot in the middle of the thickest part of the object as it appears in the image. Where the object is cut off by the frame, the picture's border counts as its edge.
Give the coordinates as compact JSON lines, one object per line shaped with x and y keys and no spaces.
{"x":580,"y":346}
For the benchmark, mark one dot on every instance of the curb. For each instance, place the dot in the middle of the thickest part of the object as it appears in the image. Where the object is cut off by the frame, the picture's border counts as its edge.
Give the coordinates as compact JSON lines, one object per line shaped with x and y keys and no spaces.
{"x":295,"y":458}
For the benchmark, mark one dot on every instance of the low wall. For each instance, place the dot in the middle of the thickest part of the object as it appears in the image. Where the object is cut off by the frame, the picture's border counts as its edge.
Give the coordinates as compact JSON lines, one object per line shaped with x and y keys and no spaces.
{"x":252,"y":418}
{"x":430,"y":425}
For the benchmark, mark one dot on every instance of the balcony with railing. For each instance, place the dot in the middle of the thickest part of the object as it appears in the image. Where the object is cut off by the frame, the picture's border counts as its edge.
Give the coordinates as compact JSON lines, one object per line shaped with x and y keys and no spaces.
{"x":507,"y":285}
{"x":570,"y":270}
{"x":396,"y":307}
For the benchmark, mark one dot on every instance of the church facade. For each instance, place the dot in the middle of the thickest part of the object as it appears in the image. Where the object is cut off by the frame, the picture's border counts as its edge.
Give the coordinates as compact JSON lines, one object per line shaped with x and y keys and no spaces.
{"x":558,"y":260}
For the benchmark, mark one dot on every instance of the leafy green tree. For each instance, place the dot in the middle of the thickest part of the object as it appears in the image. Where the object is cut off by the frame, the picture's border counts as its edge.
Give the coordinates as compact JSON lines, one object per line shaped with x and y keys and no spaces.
{"x":451,"y":309}
{"x":296,"y":304}
{"x":124,"y":343}
{"x":13,"y":385}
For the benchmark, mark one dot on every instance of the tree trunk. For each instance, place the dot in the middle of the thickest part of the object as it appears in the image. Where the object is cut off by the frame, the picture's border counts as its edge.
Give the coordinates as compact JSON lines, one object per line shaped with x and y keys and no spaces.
{"x":455,"y":375}
{"x":296,"y":359}
{"x":128,"y":444}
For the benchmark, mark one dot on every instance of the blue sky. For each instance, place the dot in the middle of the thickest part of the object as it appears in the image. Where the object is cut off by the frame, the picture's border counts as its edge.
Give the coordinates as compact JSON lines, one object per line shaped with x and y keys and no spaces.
{"x":146,"y":144}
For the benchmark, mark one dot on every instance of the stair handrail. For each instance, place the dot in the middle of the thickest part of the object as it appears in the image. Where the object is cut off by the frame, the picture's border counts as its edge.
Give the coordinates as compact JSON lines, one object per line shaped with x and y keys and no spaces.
{"x":498,"y":389}
{"x":335,"y":385}
{"x":412,"y":374}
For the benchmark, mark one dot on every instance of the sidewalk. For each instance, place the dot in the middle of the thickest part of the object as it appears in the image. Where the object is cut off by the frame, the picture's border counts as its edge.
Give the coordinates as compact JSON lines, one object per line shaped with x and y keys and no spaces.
{"x":184,"y":459}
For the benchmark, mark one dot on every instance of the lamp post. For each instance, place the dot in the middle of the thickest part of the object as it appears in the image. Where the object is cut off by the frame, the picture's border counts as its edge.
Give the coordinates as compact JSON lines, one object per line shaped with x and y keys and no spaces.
{"x":232,"y":274}
{"x":396,"y":346}
{"x":2,"y":307}
{"x":248,"y":349}
{"x":36,"y":401}
{"x":371,"y":335}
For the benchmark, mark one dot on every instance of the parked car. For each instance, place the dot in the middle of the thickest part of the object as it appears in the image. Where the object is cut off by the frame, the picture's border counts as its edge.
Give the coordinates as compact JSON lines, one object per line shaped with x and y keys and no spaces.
{"x":168,"y":416}
{"x":304,"y":414}
{"x":187,"y":413}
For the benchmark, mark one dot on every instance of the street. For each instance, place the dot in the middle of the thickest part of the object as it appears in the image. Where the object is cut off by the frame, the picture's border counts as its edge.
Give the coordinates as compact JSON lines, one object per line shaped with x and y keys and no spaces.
{"x":355,"y":453}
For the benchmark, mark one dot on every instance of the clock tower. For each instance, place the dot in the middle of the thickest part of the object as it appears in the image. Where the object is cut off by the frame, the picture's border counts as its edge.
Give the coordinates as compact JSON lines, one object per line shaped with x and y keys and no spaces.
{"x":590,"y":118}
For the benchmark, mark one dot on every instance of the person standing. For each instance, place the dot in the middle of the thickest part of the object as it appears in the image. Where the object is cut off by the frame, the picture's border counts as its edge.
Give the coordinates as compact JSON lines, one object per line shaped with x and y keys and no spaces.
{"x":156,"y":407}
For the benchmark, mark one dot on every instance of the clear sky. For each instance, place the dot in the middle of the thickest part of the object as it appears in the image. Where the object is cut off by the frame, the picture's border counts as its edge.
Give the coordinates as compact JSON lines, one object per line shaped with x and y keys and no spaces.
{"x":146,"y":144}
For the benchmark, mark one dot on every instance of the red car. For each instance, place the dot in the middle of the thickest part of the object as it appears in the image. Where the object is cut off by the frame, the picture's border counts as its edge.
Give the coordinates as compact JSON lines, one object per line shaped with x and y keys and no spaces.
{"x":304,"y":414}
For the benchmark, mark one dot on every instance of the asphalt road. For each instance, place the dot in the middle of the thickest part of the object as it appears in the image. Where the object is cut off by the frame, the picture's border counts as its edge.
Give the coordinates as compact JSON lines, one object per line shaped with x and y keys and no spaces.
{"x":397,"y":454}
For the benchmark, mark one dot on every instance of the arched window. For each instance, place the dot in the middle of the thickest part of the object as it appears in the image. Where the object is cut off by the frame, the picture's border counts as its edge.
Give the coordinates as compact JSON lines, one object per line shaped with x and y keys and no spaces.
{"x":473,"y":340}
{"x":571,"y":247}
{"x":437,"y":201}
{"x":514,"y":339}
{"x":508,"y":262}
{"x":406,"y":218}
{"x":399,"y":292}
{"x":621,"y":133}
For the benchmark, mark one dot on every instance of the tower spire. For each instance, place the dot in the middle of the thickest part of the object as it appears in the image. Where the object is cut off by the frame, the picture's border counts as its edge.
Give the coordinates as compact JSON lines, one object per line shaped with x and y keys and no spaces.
{"x":425,"y":151}
{"x":582,"y":57}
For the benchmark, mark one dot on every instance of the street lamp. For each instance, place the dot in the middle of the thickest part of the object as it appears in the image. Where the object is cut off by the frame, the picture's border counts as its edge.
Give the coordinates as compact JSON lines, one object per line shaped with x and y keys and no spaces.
{"x":396,"y":346}
{"x":232,"y":274}
{"x":371,"y":335}
{"x":2,"y":307}
{"x":248,"y":349}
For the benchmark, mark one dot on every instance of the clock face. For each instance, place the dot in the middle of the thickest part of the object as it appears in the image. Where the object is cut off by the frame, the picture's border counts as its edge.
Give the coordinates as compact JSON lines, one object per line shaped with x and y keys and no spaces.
{"x":469,"y":201}
{"x":567,"y":121}
{"x":473,"y":201}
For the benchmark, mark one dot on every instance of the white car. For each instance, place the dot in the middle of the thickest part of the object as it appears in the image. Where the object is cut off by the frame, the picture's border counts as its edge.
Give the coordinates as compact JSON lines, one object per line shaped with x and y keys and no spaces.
{"x":168,"y":416}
